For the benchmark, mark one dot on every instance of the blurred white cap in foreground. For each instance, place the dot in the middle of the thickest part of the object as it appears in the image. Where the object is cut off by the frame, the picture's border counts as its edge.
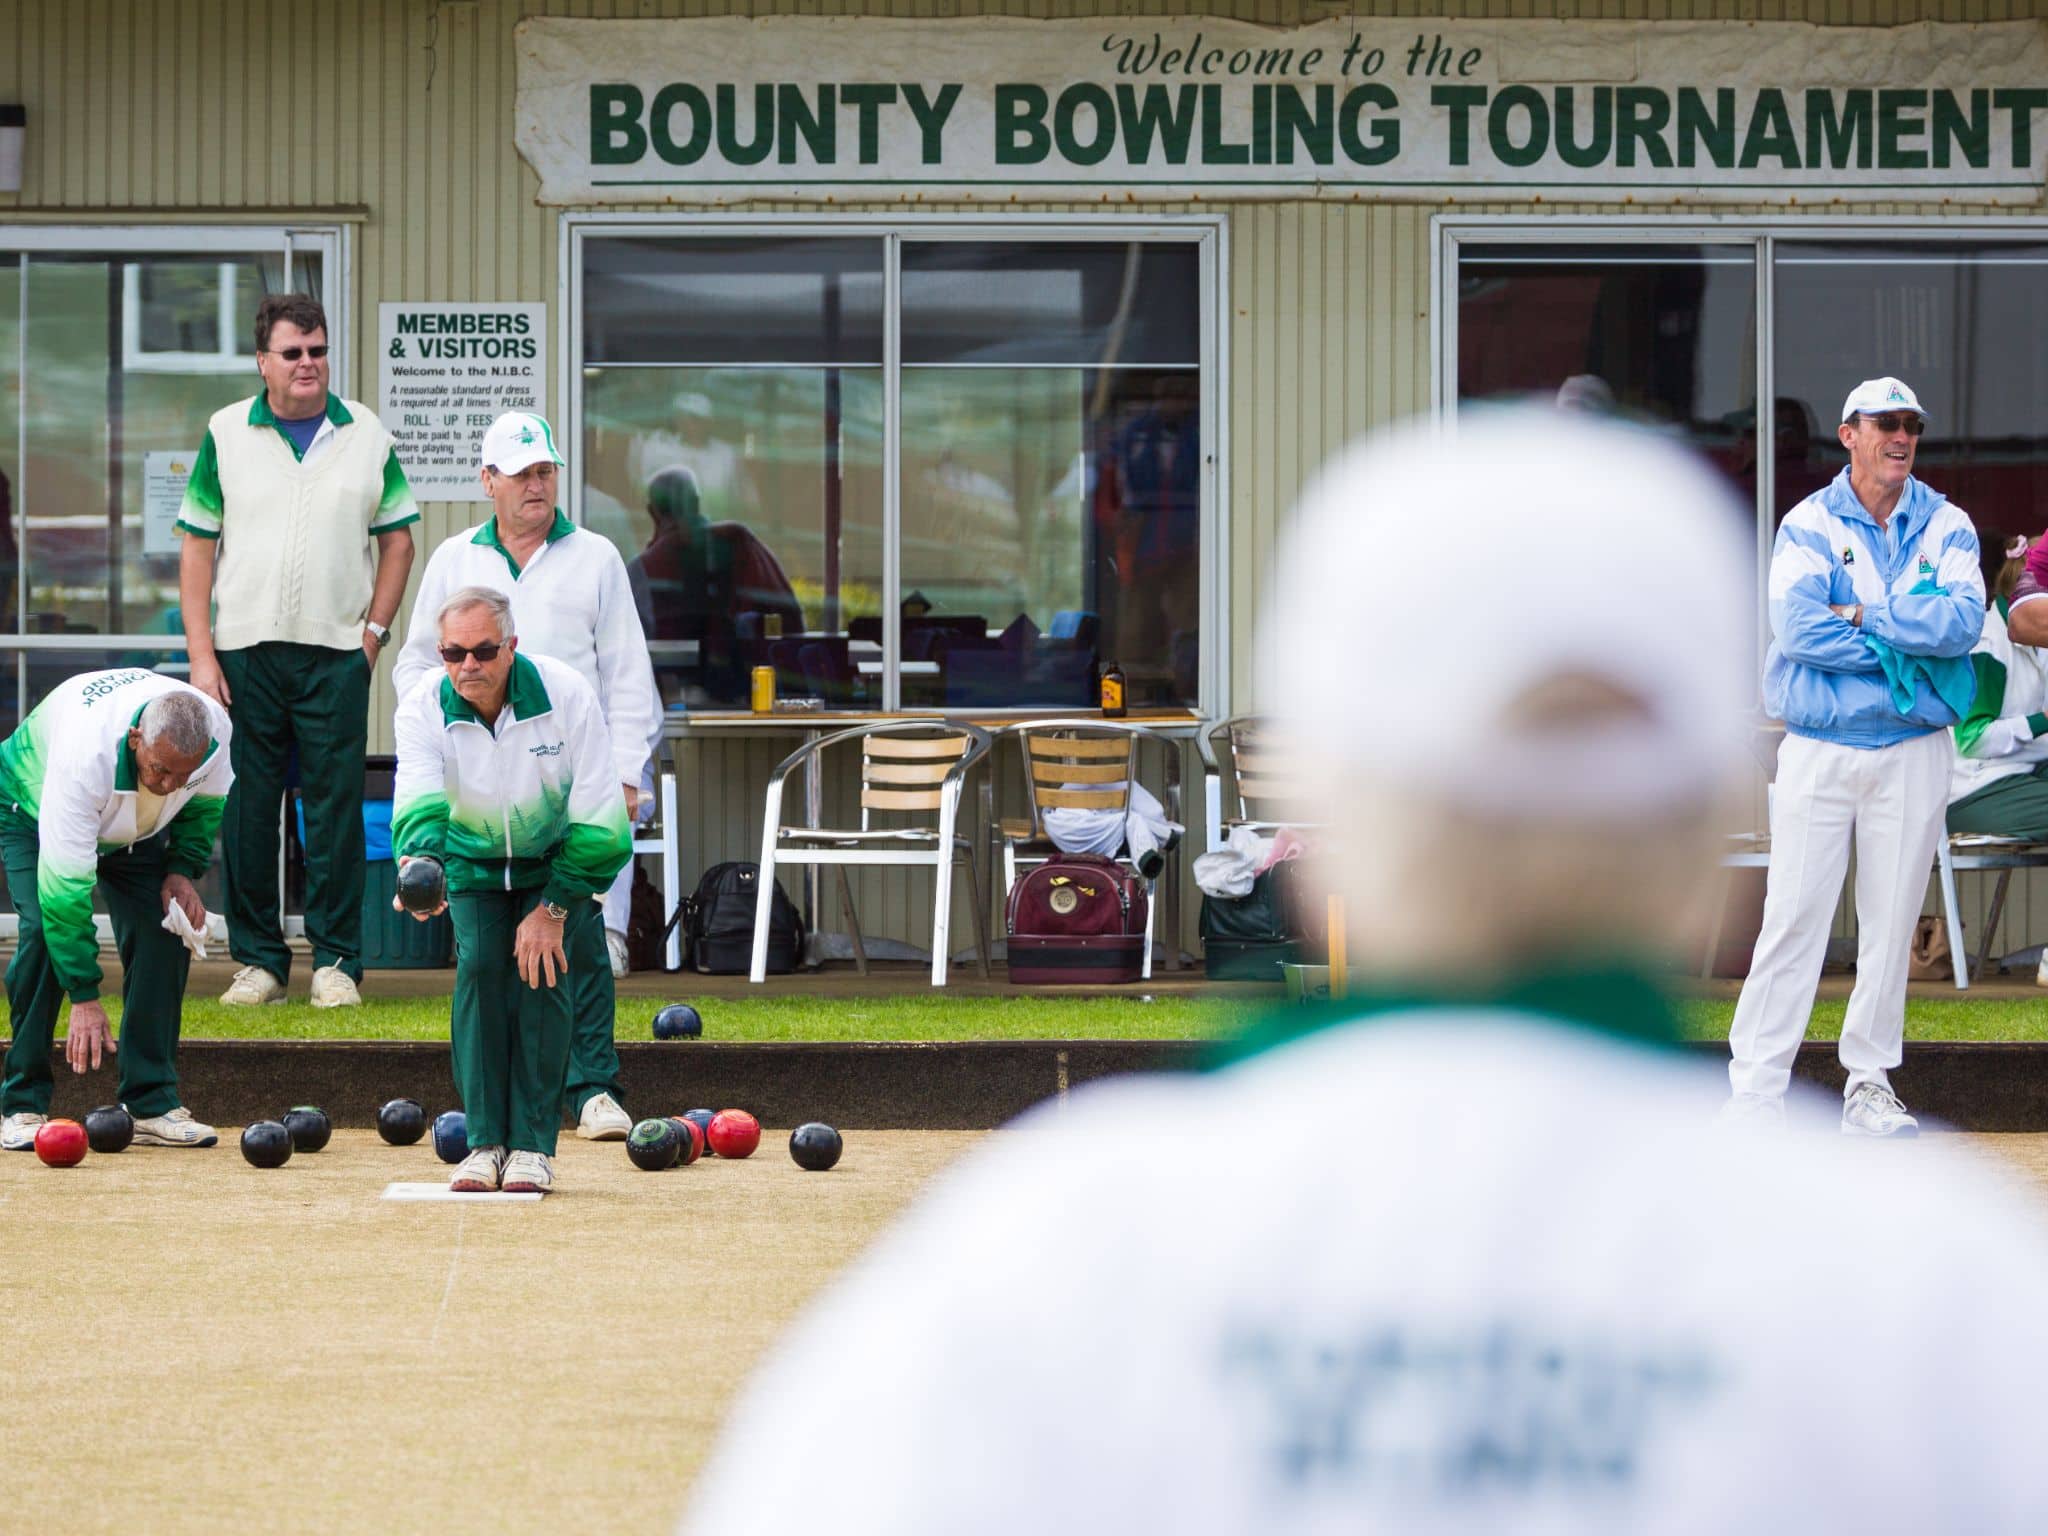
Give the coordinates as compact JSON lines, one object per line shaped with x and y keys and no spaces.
{"x":1527,"y":613}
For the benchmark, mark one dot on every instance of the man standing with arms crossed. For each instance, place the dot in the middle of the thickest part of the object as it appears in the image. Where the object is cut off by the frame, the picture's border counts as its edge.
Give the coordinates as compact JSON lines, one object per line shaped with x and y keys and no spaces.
{"x":292,"y":488}
{"x":571,"y":601}
{"x":505,"y":776}
{"x":1876,"y":602}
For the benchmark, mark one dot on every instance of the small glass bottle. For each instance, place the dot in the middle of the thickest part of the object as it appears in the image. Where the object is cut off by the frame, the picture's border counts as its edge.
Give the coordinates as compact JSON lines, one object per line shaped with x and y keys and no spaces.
{"x":1113,"y":707}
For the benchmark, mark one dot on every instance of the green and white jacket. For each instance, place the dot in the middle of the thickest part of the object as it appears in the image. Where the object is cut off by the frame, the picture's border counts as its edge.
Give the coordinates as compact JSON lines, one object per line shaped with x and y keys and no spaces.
{"x":68,"y":766}
{"x":532,"y":801}
{"x":2006,"y":731}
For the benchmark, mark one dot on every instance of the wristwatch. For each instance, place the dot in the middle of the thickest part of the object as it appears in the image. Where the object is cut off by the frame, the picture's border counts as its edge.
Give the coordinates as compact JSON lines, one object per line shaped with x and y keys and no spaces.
{"x":555,"y":914}
{"x":378,"y":632}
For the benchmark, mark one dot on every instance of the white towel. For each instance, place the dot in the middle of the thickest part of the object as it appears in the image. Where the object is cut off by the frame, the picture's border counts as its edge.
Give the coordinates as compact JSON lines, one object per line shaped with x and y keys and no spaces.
{"x":176,"y":922}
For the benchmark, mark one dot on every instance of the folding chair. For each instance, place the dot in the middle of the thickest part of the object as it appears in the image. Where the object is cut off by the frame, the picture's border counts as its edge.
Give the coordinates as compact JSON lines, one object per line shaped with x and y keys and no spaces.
{"x":1259,"y":768}
{"x":915,"y":766}
{"x":1975,"y":850}
{"x":1088,"y":765}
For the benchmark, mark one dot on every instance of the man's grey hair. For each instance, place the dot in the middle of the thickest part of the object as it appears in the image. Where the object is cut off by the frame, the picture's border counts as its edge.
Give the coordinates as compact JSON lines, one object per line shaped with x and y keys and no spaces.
{"x":499,"y":605}
{"x":179,"y":721}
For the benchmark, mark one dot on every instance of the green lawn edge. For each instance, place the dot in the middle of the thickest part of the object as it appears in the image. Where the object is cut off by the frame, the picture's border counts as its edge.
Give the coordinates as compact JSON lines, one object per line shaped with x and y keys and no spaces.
{"x":1028,"y":1016}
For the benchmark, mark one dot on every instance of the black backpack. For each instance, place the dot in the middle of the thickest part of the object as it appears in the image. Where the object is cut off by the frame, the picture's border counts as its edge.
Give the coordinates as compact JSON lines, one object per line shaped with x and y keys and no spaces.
{"x":718,"y":923}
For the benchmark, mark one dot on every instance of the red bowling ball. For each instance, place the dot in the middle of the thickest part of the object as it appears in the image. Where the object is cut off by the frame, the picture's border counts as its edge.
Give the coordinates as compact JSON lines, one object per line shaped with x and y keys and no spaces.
{"x":61,"y":1143}
{"x":734,"y":1133}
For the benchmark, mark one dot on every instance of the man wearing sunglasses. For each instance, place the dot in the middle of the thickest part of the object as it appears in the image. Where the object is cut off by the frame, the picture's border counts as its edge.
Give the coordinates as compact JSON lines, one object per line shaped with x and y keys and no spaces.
{"x":290,"y":493}
{"x":1876,"y":602}
{"x":571,"y":600}
{"x":505,"y":775}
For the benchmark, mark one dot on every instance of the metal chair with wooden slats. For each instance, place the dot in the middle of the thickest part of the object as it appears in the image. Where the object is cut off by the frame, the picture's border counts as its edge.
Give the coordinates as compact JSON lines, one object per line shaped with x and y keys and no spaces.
{"x":1088,"y":765}
{"x":1261,"y":773}
{"x":909,"y":768}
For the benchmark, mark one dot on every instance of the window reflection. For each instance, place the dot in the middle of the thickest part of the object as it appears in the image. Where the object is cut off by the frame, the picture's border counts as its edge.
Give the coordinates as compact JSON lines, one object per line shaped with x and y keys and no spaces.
{"x":1050,"y":469}
{"x":1052,"y":472}
{"x":1957,"y":323}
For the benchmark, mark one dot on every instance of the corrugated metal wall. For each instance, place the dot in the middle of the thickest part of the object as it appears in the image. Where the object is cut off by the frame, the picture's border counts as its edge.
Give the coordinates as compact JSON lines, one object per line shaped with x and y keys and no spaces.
{"x":396,"y":115}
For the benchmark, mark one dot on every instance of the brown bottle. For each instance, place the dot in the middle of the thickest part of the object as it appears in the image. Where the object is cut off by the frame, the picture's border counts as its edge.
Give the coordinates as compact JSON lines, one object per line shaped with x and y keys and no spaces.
{"x":1113,"y":692}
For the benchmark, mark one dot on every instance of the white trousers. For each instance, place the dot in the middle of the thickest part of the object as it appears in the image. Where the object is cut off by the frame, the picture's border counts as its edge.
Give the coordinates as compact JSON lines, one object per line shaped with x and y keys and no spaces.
{"x":1892,"y":800}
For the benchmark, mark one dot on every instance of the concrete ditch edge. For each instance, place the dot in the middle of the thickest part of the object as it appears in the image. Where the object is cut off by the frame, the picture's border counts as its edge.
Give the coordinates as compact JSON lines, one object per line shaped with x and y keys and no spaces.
{"x":966,"y":1085}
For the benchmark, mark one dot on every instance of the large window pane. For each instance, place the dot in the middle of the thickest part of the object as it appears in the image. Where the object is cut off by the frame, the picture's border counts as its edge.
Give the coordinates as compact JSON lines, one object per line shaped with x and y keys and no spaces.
{"x":733,"y":452}
{"x":1052,"y":472}
{"x":1958,"y":321}
{"x":1664,"y":335}
{"x":104,"y":399}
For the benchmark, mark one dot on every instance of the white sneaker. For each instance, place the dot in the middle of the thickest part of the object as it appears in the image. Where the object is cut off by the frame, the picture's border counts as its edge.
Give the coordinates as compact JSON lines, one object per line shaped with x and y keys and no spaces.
{"x":479,"y":1171}
{"x":616,"y":944}
{"x":335,"y":988}
{"x":175,"y":1129}
{"x":18,"y":1132}
{"x":528,"y":1173}
{"x":253,"y":985}
{"x":603,"y":1120}
{"x":1874,"y":1110}
{"x":1753,"y":1111}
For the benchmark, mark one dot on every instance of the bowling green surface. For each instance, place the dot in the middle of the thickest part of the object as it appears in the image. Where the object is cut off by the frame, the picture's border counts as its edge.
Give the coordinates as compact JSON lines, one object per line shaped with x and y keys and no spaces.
{"x":201,"y":1346}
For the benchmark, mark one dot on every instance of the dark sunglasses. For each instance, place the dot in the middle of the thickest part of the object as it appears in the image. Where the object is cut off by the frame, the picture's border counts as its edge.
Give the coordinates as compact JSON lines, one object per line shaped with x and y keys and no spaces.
{"x":486,"y":653}
{"x":1889,"y":424}
{"x":293,"y":354}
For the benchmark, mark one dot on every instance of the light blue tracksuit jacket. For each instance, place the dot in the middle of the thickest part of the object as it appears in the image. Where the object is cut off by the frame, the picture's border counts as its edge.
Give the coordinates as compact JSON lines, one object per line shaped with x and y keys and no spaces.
{"x":1820,"y":676}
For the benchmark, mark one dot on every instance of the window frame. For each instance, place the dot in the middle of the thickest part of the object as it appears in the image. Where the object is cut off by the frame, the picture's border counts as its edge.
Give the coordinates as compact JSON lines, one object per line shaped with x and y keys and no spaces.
{"x":330,"y":241}
{"x":1759,"y":233}
{"x":1210,"y":234}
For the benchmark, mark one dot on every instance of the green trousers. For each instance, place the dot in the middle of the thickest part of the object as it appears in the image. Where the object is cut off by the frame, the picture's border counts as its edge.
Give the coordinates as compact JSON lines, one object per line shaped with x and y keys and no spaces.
{"x":317,"y":699}
{"x":511,"y":1041}
{"x":593,"y":996}
{"x":2015,"y":806}
{"x":153,"y":986}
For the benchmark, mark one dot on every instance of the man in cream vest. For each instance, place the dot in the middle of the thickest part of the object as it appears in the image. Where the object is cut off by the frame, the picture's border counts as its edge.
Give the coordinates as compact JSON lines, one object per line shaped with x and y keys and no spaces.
{"x":115,"y":781}
{"x":290,"y":492}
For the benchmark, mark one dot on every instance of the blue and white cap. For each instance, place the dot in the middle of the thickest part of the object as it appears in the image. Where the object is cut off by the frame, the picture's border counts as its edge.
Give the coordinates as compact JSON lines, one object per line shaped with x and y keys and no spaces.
{"x":518,"y":439}
{"x":1875,"y":397}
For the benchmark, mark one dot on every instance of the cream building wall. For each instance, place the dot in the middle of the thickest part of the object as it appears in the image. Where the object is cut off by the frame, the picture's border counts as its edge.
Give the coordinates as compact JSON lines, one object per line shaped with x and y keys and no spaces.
{"x":395,"y":117}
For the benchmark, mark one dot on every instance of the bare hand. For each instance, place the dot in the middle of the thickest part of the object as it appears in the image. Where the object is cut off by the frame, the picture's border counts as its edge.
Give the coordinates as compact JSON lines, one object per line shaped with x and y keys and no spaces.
{"x":207,"y":677}
{"x":399,"y":906}
{"x":177,"y":888}
{"x":537,"y":948}
{"x":90,"y":1040}
{"x":371,"y":650}
{"x":632,"y":803}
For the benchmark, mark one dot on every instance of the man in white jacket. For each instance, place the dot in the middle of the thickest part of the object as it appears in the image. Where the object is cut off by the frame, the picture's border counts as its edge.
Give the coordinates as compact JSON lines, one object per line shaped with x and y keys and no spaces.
{"x":504,"y":776}
{"x":116,"y":782}
{"x":571,"y":601}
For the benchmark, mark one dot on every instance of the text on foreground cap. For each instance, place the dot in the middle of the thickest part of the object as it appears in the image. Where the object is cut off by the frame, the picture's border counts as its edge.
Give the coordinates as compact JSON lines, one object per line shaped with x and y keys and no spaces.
{"x":1610,"y":563}
{"x":1874,"y":397}
{"x":518,"y":439}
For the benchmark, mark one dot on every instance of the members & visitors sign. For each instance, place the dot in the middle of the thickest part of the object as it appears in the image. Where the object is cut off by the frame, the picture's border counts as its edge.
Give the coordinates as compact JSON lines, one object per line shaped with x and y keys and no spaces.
{"x":449,"y":371}
{"x":837,"y":109}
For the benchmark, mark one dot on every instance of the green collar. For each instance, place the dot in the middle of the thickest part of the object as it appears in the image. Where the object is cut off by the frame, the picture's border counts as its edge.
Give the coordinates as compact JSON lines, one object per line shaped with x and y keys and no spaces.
{"x":1605,"y":997}
{"x":2004,"y":608}
{"x":525,"y":695}
{"x":261,"y":415}
{"x":125,"y":779}
{"x":487,"y":536}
